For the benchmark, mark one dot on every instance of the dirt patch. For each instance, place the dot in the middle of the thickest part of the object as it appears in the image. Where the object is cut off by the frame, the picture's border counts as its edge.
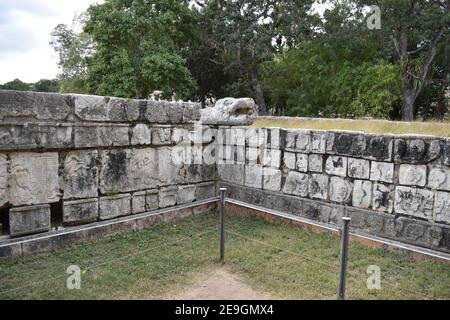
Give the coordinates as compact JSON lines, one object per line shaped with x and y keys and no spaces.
{"x":220,"y":285}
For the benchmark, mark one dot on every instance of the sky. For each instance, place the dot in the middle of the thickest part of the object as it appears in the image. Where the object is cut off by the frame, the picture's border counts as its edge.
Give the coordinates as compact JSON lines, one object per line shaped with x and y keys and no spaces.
{"x":25,"y":27}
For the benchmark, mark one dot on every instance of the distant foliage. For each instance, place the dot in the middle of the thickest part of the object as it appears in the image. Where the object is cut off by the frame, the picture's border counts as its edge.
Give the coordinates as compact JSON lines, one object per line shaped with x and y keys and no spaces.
{"x":43,"y":85}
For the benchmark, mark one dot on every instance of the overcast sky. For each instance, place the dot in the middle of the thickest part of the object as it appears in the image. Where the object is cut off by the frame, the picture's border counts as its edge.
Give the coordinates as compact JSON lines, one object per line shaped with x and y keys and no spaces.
{"x":25,"y":27}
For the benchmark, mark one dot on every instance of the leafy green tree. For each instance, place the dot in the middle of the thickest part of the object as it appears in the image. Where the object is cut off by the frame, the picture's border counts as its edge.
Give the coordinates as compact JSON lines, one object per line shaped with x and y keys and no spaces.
{"x":17,"y":84}
{"x":46,"y":85}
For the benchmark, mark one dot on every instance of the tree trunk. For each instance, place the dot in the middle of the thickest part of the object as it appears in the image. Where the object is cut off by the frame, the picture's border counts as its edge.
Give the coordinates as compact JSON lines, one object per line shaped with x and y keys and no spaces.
{"x":408,"y":100}
{"x":257,"y":90}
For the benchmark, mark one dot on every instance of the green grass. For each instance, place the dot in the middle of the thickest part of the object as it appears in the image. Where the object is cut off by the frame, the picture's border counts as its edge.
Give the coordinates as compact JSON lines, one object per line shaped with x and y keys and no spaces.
{"x":272,"y":257}
{"x":434,"y":128}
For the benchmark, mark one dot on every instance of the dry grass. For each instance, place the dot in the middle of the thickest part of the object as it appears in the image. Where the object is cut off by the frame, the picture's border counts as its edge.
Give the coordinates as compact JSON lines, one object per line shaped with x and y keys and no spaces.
{"x":435,"y":128}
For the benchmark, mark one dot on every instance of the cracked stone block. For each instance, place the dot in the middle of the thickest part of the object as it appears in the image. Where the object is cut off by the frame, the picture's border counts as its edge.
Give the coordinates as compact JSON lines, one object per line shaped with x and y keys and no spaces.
{"x":115,"y":206}
{"x":191,"y":112}
{"x":358,"y":168}
{"x":382,"y":171}
{"x":340,"y":190}
{"x":253,"y":176}
{"x":318,"y":186}
{"x":416,"y":150}
{"x":80,"y":211}
{"x":315,"y":163}
{"x":186,"y":194}
{"x":318,"y":142}
{"x":206,"y":190}
{"x":163,"y":112}
{"x":383,"y":198}
{"x":141,"y":135}
{"x":337,"y":166}
{"x":168,"y":197}
{"x":88,"y":135}
{"x":414,"y":202}
{"x":413,"y":175}
{"x":180,"y":136}
{"x":80,"y":176}
{"x":255,"y":137}
{"x":442,"y":207}
{"x":289,"y":160}
{"x":138,"y":202}
{"x":3,"y":179}
{"x":378,"y":148}
{"x":302,"y":162}
{"x":296,"y":184}
{"x":125,"y":170}
{"x":173,"y":166}
{"x":272,"y":179}
{"x":97,"y":108}
{"x":298,"y":140}
{"x":34,"y":178}
{"x":151,"y":200}
{"x":231,"y":173}
{"x":161,"y":135}
{"x":29,"y":220}
{"x":349,"y":144}
{"x":362,"y":194}
{"x":439,"y":179}
{"x":271,"y":158}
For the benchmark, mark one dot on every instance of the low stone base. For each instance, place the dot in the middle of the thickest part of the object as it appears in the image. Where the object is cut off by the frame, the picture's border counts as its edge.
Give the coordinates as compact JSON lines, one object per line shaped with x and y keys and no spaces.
{"x":28,"y":220}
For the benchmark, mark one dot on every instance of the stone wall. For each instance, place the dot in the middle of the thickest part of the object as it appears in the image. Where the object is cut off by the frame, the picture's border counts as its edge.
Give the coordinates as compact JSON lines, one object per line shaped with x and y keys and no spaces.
{"x":393,"y":186}
{"x":74,"y":159}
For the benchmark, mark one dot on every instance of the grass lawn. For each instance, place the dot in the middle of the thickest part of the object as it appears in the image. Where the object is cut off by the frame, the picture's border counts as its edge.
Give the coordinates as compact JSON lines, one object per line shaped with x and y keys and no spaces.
{"x":434,"y":128}
{"x":279,"y":259}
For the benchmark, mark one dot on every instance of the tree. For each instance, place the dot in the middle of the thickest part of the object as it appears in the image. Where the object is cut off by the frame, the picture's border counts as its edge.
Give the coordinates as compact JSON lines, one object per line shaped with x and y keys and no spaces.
{"x":17,"y":84}
{"x":45,"y":85}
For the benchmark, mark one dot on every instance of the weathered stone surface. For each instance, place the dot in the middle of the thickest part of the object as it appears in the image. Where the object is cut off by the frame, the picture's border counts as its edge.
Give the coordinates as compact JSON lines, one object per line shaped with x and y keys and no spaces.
{"x":105,"y":109}
{"x":296,"y":184}
{"x":275,"y":138}
{"x":318,"y":186}
{"x":3,"y":179}
{"x":365,"y":220}
{"x":115,"y":206}
{"x":340,"y":190}
{"x":253,"y":176}
{"x":141,"y":135}
{"x":298,"y":140}
{"x":421,"y":233}
{"x":151,"y":200}
{"x":236,"y":136}
{"x":439,"y":179}
{"x":446,"y":152}
{"x":253,"y":155}
{"x":272,"y":179}
{"x":416,"y":150}
{"x":318,"y":142}
{"x":172,"y":166}
{"x":191,"y":112}
{"x":80,"y":177}
{"x":186,"y":194}
{"x":337,"y":166}
{"x":231,"y":173}
{"x":302,"y":162}
{"x":230,"y":111}
{"x":358,"y":168}
{"x":255,"y":137}
{"x":290,"y":160}
{"x":164,"y":112}
{"x":90,"y":135}
{"x":315,"y":163}
{"x":351,"y":144}
{"x":138,"y":202}
{"x":206,"y":190}
{"x":414,"y":202}
{"x":162,"y":135}
{"x":413,"y":175}
{"x":382,"y":171}
{"x":80,"y":211}
{"x":362,"y":194}
{"x":168,"y":196}
{"x":28,"y":220}
{"x":24,"y":105}
{"x":378,"y":148}
{"x":383,"y":198}
{"x":34,"y":178}
{"x":126,"y":170}
{"x":442,"y":207}
{"x":271,"y":158}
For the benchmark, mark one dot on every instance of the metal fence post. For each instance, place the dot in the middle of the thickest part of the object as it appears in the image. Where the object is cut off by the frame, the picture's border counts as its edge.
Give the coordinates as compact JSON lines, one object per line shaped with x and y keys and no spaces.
{"x":344,"y":253}
{"x":222,"y":223}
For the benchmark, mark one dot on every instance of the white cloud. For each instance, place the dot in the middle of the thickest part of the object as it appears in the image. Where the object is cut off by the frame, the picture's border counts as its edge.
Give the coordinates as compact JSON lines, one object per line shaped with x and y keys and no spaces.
{"x":25,"y":27}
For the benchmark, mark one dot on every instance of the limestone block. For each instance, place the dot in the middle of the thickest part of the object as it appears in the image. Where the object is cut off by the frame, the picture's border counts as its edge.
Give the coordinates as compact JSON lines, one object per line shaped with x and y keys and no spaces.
{"x":255,"y":137}
{"x":163,"y":112}
{"x":125,"y":170}
{"x":253,"y":176}
{"x":3,"y":179}
{"x":115,"y":206}
{"x":231,"y":173}
{"x":168,"y":196}
{"x":298,"y":140}
{"x":123,"y":110}
{"x":413,"y":175}
{"x":80,"y":176}
{"x":34,"y":178}
{"x":253,"y":155}
{"x":80,"y":211}
{"x":439,"y":179}
{"x":350,"y":144}
{"x":382,"y":171}
{"x":383,"y":198}
{"x":420,"y":233}
{"x":340,"y":190}
{"x":289,"y":160}
{"x":138,"y":202}
{"x":296,"y":184}
{"x":186,"y":194}
{"x":206,"y":190}
{"x":362,"y":194}
{"x":442,"y":207}
{"x":318,"y":186}
{"x":318,"y":142}
{"x":237,"y":136}
{"x":141,"y":135}
{"x":446,"y":152}
{"x":271,"y":158}
{"x":89,"y":135}
{"x":180,"y":136}
{"x":416,"y":150}
{"x":29,"y":220}
{"x":302,"y":162}
{"x":162,"y":135}
{"x":151,"y":200}
{"x":97,"y":108}
{"x":191,"y":112}
{"x":275,"y":138}
{"x":272,"y":179}
{"x":378,"y":148}
{"x":358,"y":168}
{"x":171,"y":166}
{"x":315,"y":163}
{"x":336,"y":165}
{"x":414,"y":202}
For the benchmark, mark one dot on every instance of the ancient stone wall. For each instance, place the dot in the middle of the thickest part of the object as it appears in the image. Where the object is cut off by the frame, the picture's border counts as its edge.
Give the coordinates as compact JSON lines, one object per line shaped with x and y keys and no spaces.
{"x":74,"y":159}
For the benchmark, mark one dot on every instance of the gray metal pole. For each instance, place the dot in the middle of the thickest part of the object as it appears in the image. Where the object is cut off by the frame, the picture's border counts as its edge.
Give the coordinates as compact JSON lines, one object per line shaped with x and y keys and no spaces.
{"x":222,"y":223}
{"x":344,"y":253}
